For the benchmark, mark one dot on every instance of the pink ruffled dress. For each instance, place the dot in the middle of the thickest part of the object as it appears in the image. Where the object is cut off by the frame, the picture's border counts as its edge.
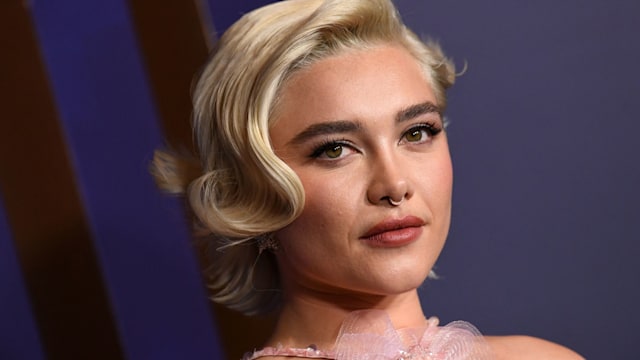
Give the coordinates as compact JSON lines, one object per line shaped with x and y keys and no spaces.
{"x":369,"y":335}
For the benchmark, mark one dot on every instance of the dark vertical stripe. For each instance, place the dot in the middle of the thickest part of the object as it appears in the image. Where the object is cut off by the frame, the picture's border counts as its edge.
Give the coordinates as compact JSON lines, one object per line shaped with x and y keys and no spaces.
{"x":19,"y":338}
{"x":111,"y":125}
{"x":173,"y":49}
{"x":164,"y":31}
{"x":52,"y":239}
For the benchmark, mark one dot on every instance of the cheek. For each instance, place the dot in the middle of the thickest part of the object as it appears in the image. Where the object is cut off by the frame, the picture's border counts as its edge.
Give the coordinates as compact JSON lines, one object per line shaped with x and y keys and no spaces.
{"x":318,"y":233}
{"x":446,"y":178}
{"x":445,"y":169}
{"x":332,"y":194}
{"x":330,"y":207}
{"x":438,"y":178}
{"x":325,"y":209}
{"x":439,"y":187}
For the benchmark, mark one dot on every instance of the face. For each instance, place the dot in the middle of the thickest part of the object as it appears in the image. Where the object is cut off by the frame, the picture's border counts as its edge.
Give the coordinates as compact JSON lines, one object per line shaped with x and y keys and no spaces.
{"x":362,"y":130}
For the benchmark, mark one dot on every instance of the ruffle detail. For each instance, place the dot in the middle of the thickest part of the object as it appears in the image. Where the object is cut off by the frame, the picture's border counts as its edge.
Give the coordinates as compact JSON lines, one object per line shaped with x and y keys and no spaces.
{"x":370,"y":335}
{"x":309,"y":353}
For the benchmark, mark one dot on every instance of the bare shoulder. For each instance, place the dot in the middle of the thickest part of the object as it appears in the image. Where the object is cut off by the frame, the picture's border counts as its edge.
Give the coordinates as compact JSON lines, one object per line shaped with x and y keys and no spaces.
{"x":528,"y":347}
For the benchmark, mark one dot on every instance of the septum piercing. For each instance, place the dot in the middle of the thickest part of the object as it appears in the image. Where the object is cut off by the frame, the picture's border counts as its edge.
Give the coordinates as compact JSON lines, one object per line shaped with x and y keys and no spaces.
{"x":393,"y":202}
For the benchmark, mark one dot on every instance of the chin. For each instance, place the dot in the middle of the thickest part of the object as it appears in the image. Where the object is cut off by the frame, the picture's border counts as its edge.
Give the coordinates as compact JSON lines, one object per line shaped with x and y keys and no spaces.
{"x":395,"y":283}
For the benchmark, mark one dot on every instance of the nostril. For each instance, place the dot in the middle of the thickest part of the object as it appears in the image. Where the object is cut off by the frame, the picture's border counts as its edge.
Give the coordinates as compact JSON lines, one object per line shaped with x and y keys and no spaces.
{"x":395,"y":202}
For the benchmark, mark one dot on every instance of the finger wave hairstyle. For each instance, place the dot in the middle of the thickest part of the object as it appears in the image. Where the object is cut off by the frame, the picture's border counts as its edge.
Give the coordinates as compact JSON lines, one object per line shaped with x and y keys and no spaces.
{"x":238,"y":189}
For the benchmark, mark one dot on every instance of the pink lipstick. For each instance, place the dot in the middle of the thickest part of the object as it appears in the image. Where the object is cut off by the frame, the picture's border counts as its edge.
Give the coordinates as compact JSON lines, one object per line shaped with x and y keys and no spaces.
{"x":394,"y":232}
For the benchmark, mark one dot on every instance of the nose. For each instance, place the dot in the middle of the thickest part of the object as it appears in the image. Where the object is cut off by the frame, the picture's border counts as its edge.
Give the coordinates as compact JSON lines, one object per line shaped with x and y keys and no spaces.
{"x":389,"y":183}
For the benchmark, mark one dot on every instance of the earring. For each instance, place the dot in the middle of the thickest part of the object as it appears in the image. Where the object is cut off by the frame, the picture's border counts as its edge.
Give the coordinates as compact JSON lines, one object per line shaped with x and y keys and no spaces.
{"x":267,"y":242}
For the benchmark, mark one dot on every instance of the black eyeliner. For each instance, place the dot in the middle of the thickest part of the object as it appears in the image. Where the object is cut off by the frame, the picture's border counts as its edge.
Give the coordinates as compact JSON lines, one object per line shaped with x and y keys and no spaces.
{"x":327,"y":145}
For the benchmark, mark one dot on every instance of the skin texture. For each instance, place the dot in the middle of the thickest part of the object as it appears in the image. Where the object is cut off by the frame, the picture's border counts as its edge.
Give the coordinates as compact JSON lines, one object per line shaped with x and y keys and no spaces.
{"x":359,"y":129}
{"x":326,"y":266}
{"x":528,"y":348}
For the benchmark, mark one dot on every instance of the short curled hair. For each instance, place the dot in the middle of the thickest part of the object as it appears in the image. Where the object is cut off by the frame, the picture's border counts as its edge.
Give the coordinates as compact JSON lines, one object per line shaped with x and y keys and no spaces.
{"x":241,"y":190}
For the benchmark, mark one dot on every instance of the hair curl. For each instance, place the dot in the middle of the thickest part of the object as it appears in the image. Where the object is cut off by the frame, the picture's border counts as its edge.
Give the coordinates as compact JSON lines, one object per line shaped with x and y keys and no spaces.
{"x":239,"y":189}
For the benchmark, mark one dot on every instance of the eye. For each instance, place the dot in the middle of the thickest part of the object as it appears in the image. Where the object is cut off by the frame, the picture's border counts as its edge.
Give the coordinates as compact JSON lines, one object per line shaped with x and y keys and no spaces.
{"x":332,"y":150}
{"x":414,"y":135}
{"x":420,"y":133}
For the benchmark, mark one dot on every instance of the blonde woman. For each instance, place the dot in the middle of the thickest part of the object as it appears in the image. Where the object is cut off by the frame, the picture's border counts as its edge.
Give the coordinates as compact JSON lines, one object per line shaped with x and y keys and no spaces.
{"x":324,"y":182}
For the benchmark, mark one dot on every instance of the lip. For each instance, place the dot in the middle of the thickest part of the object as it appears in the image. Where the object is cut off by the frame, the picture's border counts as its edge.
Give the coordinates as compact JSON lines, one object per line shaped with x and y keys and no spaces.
{"x":394,"y":232}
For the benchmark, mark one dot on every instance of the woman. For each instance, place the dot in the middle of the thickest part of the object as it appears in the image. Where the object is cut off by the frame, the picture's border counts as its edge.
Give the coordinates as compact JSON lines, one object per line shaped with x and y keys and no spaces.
{"x":325,"y":182}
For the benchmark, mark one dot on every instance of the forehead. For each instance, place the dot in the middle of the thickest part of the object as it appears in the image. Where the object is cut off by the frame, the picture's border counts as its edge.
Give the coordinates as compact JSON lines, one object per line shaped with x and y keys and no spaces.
{"x":355,"y":85}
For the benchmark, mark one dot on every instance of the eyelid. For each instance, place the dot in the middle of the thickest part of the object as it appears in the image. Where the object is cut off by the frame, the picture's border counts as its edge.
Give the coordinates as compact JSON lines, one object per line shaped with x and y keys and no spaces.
{"x":431,"y":128}
{"x":327,"y":144}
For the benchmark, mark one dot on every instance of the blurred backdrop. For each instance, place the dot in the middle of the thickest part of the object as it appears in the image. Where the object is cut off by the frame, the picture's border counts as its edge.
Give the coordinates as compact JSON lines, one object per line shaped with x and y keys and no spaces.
{"x":96,"y":263}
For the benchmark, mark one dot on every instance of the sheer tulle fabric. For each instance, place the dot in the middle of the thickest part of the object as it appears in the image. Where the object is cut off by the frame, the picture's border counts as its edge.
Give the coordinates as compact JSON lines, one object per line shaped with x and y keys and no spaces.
{"x":369,"y":335}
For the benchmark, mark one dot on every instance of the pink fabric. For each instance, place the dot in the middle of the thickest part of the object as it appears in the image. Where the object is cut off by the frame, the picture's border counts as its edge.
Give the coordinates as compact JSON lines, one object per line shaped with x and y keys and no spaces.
{"x":369,"y":335}
{"x":309,"y":353}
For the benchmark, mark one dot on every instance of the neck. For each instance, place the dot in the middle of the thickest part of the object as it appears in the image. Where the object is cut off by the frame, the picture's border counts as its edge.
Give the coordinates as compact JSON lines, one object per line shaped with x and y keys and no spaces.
{"x":309,"y":317}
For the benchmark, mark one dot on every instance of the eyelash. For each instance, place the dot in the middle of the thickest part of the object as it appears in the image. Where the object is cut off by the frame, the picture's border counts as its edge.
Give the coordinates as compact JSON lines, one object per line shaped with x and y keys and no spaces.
{"x":328,"y":145}
{"x":431,"y":129}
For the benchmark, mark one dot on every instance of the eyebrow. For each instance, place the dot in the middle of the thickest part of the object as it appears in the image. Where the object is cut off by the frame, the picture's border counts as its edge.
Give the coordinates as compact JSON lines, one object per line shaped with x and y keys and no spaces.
{"x":344,"y":126}
{"x":414,"y":111}
{"x":326,"y":128}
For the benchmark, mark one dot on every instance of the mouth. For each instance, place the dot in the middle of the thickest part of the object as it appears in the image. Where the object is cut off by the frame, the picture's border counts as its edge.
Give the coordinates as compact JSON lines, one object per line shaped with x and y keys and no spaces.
{"x":394,"y":232}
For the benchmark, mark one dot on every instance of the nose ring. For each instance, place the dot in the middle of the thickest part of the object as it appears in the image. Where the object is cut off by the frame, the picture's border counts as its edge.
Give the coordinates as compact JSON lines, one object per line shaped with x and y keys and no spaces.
{"x":393,"y":202}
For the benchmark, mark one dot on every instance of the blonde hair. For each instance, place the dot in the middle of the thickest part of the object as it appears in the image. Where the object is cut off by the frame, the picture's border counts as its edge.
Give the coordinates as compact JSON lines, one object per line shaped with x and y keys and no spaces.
{"x":242,"y":190}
